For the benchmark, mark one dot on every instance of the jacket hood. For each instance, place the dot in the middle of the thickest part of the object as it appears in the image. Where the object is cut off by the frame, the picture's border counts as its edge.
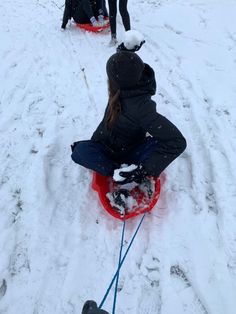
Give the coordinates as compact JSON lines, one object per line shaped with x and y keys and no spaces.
{"x":125,"y":69}
{"x":146,"y":85}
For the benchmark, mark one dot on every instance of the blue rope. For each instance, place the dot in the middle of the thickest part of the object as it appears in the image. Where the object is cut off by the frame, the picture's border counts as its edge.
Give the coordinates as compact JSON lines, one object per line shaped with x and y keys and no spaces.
{"x":118,"y":268}
{"x":121,"y":263}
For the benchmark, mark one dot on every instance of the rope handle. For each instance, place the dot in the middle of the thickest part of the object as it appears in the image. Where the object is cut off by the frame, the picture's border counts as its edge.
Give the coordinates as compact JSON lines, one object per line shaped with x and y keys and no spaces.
{"x":122,"y":261}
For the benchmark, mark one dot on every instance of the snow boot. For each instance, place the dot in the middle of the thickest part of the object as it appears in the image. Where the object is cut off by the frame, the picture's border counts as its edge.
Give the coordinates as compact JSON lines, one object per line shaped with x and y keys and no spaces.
{"x":113,"y":41}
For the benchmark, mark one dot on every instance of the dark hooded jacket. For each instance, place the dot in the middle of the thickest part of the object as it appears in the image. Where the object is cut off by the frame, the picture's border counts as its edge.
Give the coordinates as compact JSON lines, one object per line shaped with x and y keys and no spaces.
{"x":73,"y":8}
{"x":138,"y":117}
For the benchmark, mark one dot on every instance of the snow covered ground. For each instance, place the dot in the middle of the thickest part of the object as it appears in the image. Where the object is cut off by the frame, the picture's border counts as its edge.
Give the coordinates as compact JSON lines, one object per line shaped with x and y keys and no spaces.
{"x":58,"y":246}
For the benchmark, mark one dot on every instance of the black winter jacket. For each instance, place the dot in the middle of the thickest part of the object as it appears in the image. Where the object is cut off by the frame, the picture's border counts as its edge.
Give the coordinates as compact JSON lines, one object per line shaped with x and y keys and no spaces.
{"x":73,"y":8}
{"x":138,"y":117}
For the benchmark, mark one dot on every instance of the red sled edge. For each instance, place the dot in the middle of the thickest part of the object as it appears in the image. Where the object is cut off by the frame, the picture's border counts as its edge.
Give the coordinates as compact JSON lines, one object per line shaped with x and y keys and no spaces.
{"x":91,"y":28}
{"x":100,"y":184}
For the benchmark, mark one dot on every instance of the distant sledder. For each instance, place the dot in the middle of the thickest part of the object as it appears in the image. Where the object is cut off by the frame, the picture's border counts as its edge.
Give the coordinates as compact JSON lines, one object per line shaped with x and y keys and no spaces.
{"x":91,"y":12}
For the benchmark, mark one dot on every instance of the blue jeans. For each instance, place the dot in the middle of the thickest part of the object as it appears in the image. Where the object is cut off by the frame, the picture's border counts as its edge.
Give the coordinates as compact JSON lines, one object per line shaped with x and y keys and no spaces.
{"x":98,"y":157}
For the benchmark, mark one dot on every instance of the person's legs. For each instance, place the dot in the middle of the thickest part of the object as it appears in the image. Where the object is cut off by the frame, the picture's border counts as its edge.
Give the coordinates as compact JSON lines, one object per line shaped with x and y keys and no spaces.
{"x":104,"y":8}
{"x":94,"y":156}
{"x":112,"y":15}
{"x":124,"y":14}
{"x":141,"y":153}
{"x":155,"y":156}
{"x":137,"y":156}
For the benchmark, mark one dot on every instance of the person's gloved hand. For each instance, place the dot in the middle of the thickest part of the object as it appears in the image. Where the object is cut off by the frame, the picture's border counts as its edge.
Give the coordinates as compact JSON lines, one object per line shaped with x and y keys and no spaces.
{"x":102,"y":21}
{"x":90,"y":307}
{"x":94,"y":22}
{"x":137,"y":175}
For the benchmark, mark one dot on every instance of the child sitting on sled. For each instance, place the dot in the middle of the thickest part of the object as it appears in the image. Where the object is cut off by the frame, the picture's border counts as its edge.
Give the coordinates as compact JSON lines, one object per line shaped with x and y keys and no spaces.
{"x":85,"y":11}
{"x":131,"y":131}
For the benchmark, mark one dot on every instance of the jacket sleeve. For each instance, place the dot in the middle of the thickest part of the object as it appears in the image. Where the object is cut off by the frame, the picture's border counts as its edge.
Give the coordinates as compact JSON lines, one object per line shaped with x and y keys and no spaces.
{"x":87,"y":7}
{"x":100,"y":130}
{"x":67,"y":13}
{"x":170,"y":141}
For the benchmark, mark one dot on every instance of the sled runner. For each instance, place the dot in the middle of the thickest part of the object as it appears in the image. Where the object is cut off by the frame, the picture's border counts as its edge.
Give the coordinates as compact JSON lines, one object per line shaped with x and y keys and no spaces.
{"x":140,"y":201}
{"x":90,"y":28}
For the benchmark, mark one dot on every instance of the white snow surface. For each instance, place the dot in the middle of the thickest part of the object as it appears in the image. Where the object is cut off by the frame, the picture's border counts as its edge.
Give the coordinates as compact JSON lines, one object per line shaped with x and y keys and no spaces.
{"x":58,"y":246}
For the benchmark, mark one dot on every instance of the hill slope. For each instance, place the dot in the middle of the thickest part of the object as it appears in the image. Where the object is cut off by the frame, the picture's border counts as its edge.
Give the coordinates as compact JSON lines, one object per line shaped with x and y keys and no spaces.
{"x":58,"y":247}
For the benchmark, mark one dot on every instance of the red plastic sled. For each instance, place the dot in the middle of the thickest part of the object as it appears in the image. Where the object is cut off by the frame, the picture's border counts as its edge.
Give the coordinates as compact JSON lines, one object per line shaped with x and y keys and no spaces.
{"x":88,"y":27}
{"x":103,"y":185}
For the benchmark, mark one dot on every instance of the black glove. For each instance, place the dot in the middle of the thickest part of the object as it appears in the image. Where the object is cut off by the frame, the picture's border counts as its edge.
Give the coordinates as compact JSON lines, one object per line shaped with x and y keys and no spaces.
{"x":90,"y":307}
{"x":137,"y":175}
{"x":122,"y":47}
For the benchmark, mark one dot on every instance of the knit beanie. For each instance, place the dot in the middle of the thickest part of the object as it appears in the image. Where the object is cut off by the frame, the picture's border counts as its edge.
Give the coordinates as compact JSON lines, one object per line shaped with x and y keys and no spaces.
{"x":125,"y":69}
